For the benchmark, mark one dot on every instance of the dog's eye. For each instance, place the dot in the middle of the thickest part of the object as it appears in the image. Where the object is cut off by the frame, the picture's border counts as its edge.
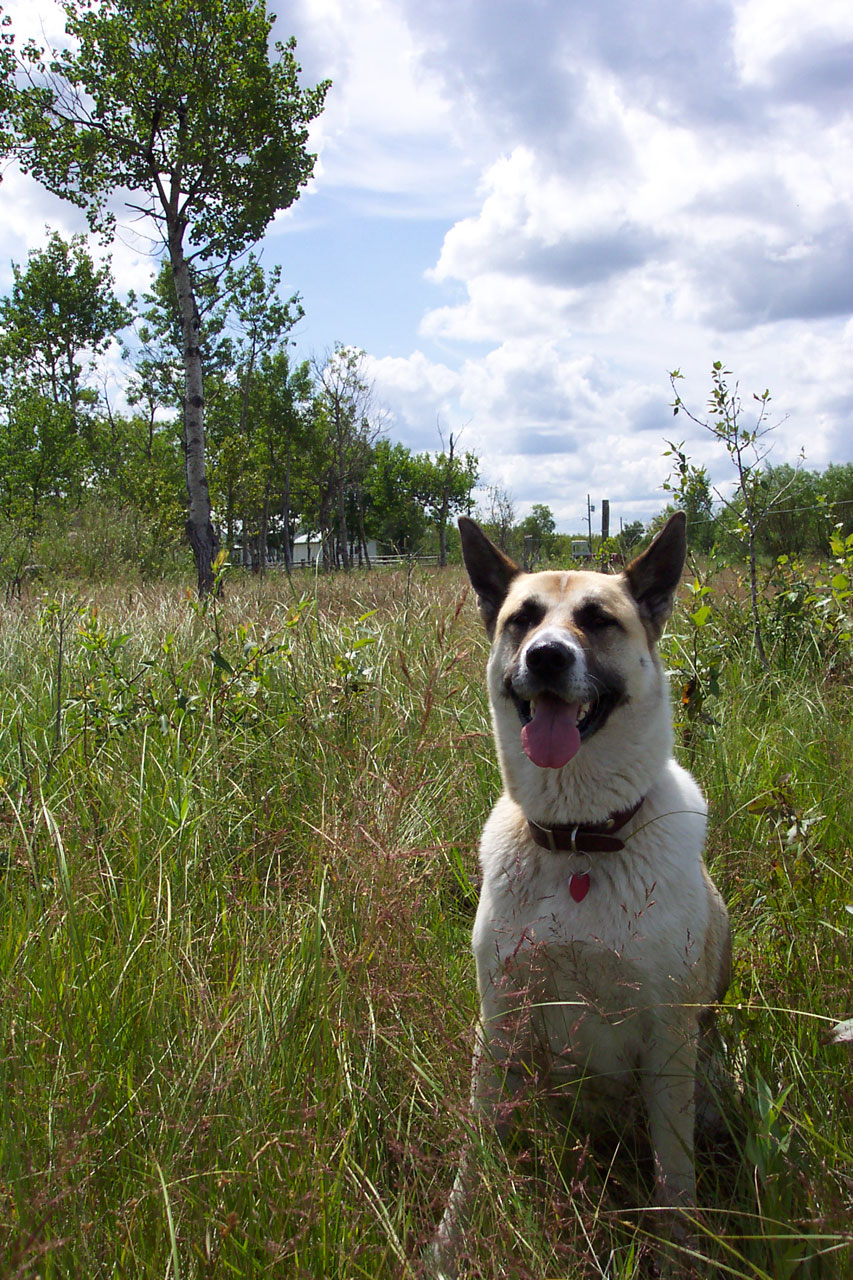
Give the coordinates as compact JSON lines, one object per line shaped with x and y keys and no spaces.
{"x":528,"y":615}
{"x":592,"y":617}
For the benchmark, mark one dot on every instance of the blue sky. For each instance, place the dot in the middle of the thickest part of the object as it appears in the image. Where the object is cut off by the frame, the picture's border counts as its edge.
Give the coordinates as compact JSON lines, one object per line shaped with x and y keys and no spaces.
{"x":526,"y":213}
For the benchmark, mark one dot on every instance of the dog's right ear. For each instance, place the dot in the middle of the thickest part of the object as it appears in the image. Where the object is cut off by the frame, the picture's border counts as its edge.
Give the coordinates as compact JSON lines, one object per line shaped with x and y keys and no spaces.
{"x":490,"y":570}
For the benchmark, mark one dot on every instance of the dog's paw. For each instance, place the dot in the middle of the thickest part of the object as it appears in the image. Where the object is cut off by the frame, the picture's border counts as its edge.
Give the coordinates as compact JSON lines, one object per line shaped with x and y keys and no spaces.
{"x":440,"y":1262}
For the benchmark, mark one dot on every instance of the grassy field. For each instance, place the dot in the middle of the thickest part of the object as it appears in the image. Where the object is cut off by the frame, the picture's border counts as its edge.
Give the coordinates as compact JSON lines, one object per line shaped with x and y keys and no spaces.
{"x":238,"y":880}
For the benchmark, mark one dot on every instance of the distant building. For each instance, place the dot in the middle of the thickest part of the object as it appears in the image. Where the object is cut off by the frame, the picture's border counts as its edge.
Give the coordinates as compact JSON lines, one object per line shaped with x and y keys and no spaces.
{"x":308,"y":550}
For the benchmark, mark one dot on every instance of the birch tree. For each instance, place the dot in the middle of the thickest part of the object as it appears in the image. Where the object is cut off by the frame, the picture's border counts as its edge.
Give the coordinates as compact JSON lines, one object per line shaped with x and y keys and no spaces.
{"x":345,"y":408}
{"x":183,"y":110}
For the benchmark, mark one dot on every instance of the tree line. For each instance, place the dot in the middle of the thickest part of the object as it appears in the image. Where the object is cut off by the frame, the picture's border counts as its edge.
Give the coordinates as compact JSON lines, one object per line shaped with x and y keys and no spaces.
{"x":290,"y":445}
{"x":787,"y":509}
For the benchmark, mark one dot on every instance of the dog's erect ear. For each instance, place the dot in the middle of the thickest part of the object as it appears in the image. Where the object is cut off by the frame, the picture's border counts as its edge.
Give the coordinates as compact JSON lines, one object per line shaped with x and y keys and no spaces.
{"x":654,"y":575}
{"x":490,"y":570}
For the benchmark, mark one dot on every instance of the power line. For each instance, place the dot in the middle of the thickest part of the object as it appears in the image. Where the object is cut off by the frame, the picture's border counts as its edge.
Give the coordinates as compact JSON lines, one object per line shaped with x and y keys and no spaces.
{"x":783,"y":511}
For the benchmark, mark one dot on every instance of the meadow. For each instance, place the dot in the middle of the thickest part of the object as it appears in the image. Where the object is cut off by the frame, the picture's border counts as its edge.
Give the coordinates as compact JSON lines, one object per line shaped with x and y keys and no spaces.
{"x":237,"y":881}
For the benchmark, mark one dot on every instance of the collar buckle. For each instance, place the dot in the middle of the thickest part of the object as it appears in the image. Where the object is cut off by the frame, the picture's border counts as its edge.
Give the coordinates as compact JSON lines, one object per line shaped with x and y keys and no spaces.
{"x":571,"y":837}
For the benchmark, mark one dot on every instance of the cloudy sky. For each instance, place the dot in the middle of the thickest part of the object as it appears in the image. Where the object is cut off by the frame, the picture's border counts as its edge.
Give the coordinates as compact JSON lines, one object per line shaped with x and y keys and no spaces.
{"x":528,"y":211}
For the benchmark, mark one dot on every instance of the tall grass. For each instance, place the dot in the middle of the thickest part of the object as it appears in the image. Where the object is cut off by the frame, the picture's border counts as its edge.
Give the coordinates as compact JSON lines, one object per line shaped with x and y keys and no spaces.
{"x":238,"y":849}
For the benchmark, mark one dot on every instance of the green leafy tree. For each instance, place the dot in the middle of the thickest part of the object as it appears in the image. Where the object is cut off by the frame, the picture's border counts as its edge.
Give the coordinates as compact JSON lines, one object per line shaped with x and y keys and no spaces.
{"x":256,"y":317}
{"x":139,"y":462}
{"x":283,"y":399}
{"x":407,"y":494}
{"x":348,"y":424}
{"x":837,"y":484}
{"x":448,"y":482}
{"x":156,"y":356}
{"x":540,"y":527}
{"x":795,"y":522}
{"x":631,"y":536}
{"x":245,"y":320}
{"x":7,"y":83}
{"x":258,"y":321}
{"x":260,"y":467}
{"x":747,"y":446}
{"x":690,"y":487}
{"x":395,"y":513}
{"x":59,"y":317}
{"x":178,"y":106}
{"x":497,"y":517}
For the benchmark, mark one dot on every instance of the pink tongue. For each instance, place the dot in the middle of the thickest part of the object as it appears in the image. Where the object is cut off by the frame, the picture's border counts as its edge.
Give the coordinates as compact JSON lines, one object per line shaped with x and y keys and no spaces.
{"x":551,"y":738}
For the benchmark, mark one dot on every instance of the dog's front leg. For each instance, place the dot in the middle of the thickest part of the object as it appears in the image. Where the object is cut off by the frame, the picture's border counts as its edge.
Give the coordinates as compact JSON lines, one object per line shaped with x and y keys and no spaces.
{"x":495,"y":1085}
{"x":669,"y":1085}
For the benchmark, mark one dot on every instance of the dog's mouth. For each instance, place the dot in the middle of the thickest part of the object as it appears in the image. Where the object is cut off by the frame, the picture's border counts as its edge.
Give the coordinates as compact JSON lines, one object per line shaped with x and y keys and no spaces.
{"x":552,"y":729}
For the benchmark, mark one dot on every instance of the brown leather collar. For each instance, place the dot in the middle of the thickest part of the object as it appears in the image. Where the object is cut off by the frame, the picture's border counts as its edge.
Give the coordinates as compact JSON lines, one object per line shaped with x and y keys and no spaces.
{"x":585,"y":837}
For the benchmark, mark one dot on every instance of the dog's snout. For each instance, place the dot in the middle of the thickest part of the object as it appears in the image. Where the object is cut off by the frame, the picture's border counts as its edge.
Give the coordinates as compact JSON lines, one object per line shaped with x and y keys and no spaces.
{"x":549,"y":658}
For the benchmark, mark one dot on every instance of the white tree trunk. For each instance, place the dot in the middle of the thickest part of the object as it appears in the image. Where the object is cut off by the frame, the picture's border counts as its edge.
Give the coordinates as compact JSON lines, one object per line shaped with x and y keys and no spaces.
{"x":200,"y":531}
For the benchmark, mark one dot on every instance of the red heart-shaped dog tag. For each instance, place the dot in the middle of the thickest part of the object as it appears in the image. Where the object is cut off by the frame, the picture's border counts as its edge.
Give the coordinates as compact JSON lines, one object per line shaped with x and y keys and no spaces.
{"x":579,"y":886}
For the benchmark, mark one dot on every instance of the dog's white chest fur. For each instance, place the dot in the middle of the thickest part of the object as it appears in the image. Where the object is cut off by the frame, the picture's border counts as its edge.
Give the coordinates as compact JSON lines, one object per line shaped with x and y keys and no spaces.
{"x":588,"y":977}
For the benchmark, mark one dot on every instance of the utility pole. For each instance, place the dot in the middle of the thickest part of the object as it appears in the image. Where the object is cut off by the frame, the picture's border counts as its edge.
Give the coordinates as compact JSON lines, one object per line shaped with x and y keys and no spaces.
{"x":589,"y":511}
{"x":605,"y":519}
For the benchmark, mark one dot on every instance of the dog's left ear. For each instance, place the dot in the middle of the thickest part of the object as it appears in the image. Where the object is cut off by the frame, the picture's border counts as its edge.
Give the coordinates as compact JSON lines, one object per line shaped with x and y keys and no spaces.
{"x":654,"y":574}
{"x":490,"y":570}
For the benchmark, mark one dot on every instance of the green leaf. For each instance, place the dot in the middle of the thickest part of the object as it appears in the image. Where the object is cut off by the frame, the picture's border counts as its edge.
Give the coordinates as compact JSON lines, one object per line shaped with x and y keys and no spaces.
{"x":221,"y":662}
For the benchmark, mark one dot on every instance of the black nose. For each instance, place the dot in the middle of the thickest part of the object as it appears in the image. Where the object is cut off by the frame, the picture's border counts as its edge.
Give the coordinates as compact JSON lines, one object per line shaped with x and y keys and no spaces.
{"x":549,"y":658}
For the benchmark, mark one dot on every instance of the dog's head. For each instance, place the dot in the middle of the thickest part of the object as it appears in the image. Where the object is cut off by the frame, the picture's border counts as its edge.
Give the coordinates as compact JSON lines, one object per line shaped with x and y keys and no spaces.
{"x":574,"y":677}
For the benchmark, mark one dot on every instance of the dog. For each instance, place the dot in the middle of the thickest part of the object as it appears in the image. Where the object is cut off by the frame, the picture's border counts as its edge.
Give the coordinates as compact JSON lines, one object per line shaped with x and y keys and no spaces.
{"x":601,"y":943}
